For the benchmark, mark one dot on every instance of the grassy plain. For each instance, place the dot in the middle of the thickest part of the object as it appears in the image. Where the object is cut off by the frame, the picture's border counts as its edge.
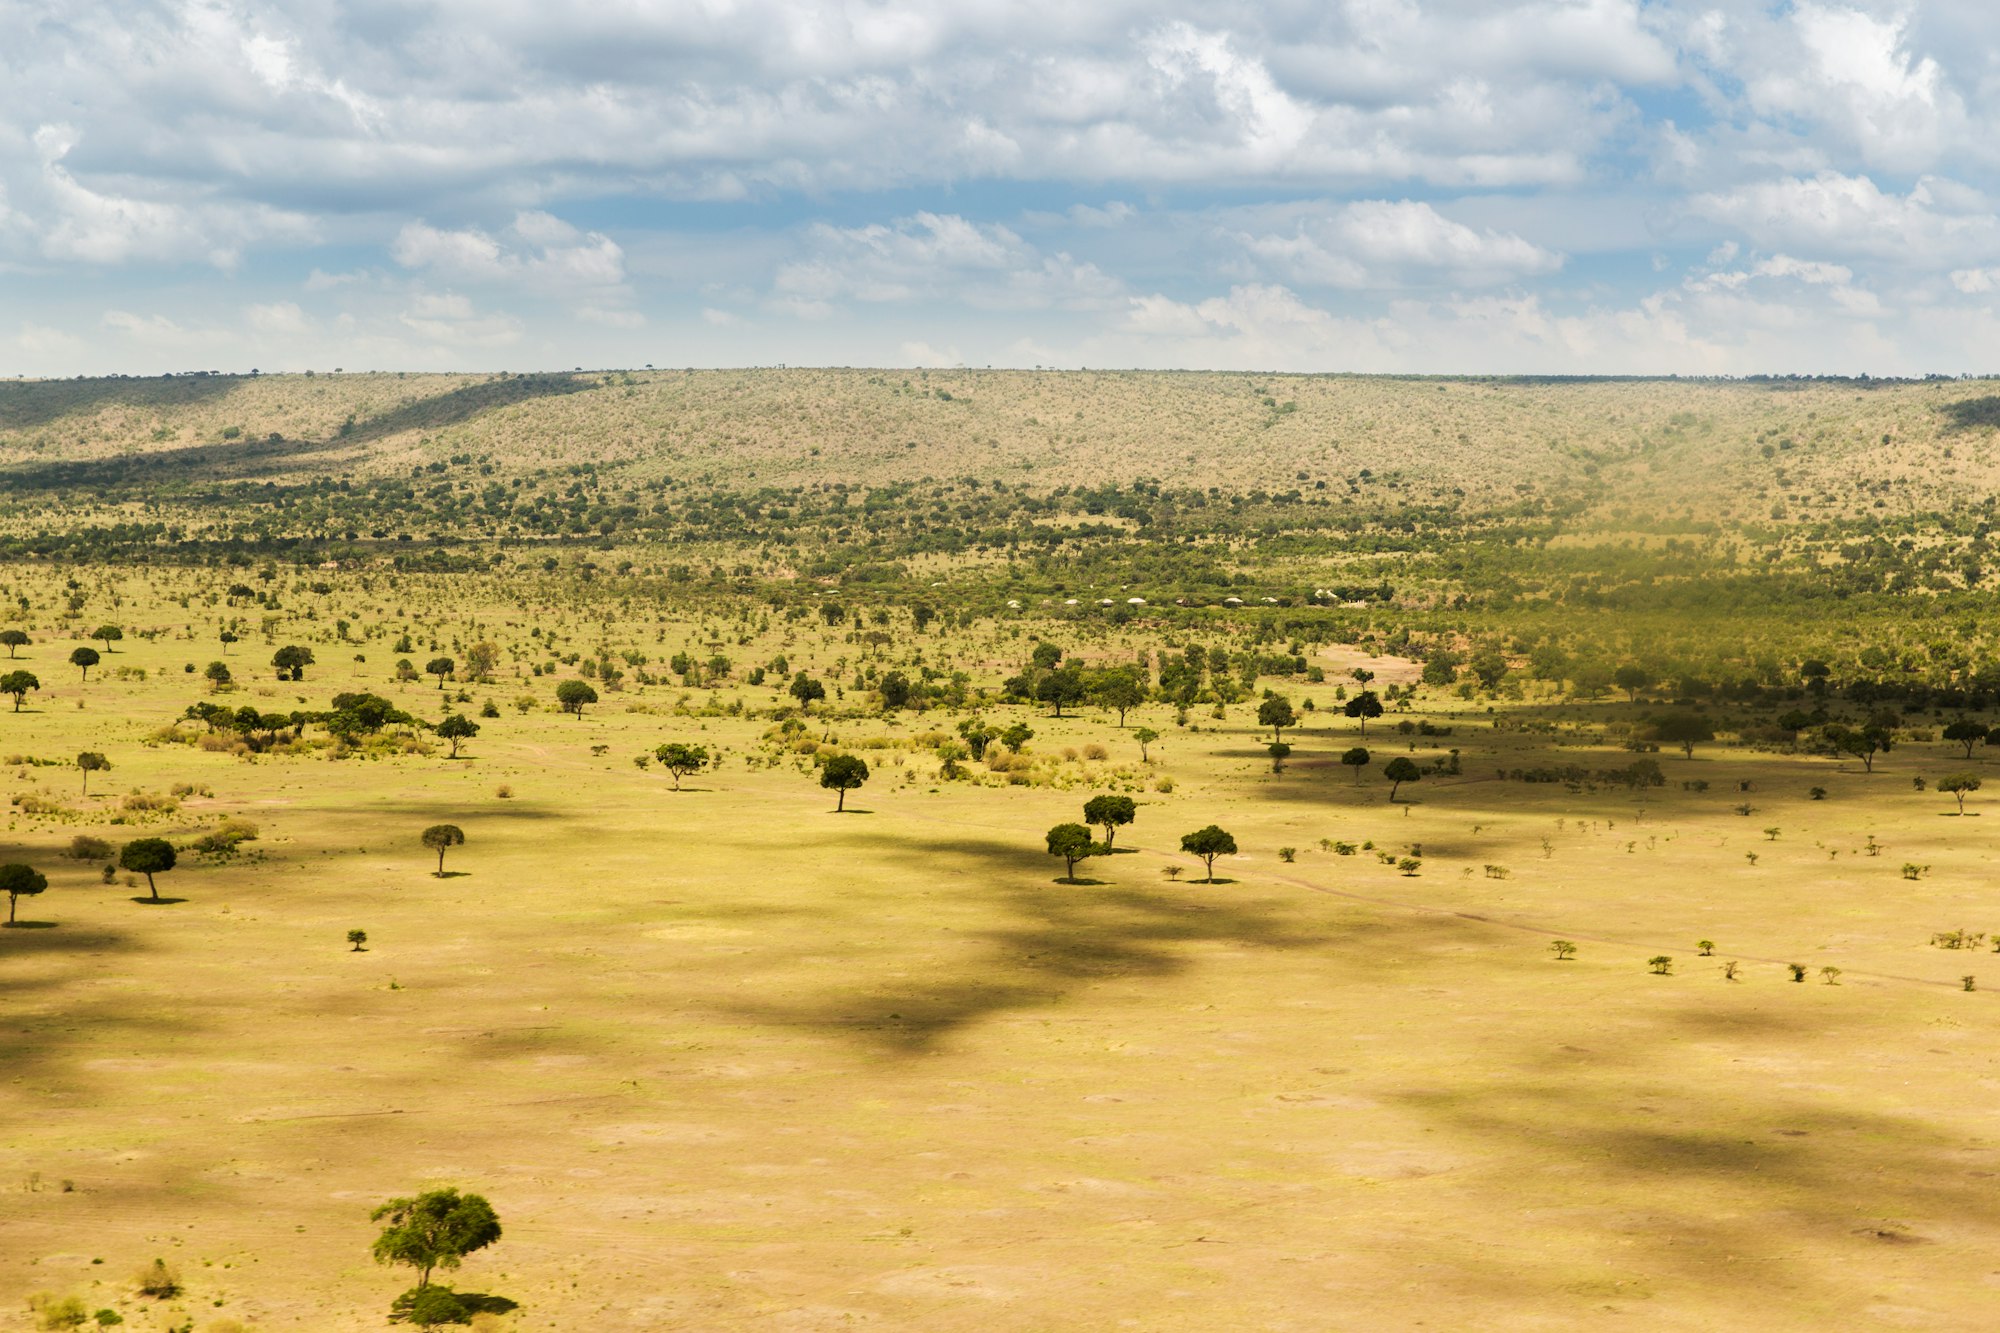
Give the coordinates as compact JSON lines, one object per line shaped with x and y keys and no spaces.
{"x":723,"y":1059}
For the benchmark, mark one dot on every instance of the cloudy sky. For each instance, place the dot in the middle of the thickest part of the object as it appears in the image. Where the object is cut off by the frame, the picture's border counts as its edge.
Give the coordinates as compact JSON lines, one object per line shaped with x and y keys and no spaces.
{"x":1684,"y":186}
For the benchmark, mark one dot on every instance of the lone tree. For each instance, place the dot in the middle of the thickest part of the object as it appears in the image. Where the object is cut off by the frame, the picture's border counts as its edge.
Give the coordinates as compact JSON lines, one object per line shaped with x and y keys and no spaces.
{"x":1110,"y":813}
{"x":573,"y":695}
{"x":1277,"y":713}
{"x":1120,"y":691}
{"x":1363,"y":706}
{"x":1864,"y":743}
{"x":680,"y":760}
{"x":14,"y":638}
{"x":217,"y":675}
{"x":357,"y":938}
{"x":1686,"y":730}
{"x":440,"y":838}
{"x":90,"y":761}
{"x":1072,"y":843}
{"x":805,"y":689}
{"x":1399,"y":770}
{"x":108,"y":635}
{"x":1959,"y":786}
{"x":457,"y":728}
{"x":1356,"y":759}
{"x":18,"y":683}
{"x":440,"y":667}
{"x":1145,"y":736}
{"x":1062,"y":688}
{"x":436,"y":1229}
{"x":85,"y":658}
{"x":18,"y":882}
{"x":292,"y":661}
{"x":1208,"y":843}
{"x":1966,"y":733}
{"x":843,"y":773}
{"x":226,"y":638}
{"x":148,"y":857}
{"x":1632,"y":679}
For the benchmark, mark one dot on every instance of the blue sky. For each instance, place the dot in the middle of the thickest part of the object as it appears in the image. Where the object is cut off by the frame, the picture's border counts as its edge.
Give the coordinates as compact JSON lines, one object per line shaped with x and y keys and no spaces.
{"x":1687,"y":186}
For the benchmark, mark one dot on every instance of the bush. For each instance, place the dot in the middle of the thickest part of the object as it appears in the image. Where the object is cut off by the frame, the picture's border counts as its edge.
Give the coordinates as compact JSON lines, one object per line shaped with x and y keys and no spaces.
{"x":225,"y":838}
{"x":158,"y":1280}
{"x":83,"y":847}
{"x":427,"y":1307}
{"x":55,"y":1312}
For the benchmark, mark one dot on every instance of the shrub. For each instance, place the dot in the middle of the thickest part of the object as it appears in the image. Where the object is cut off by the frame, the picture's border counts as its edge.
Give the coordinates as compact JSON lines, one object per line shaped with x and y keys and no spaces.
{"x":56,"y":1312}
{"x":225,"y":838}
{"x":1095,"y":751}
{"x":158,"y":1280}
{"x":427,"y":1307}
{"x":1661,"y":963}
{"x":83,"y":847}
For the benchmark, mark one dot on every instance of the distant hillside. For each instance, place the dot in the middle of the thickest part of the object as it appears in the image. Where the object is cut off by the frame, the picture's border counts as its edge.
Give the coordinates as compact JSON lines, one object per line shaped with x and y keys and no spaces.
{"x":1751,"y":448}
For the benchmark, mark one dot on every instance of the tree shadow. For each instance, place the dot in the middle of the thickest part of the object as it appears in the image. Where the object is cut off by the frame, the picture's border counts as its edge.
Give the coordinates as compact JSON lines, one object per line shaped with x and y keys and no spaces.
{"x":479,"y":1302}
{"x":27,"y":925}
{"x":451,"y":874}
{"x":1049,"y":944}
{"x":161,"y":901}
{"x":1972,"y":414}
{"x":28,"y":404}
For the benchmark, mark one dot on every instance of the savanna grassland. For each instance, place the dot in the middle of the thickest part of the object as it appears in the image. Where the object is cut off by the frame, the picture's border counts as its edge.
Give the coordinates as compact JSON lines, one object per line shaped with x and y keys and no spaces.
{"x":1690,"y":679}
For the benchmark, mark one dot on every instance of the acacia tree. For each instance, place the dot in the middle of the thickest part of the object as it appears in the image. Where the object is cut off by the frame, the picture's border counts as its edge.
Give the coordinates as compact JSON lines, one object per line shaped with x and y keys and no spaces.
{"x":843,"y":773}
{"x":1062,"y":687}
{"x":440,"y":838}
{"x":1277,"y":713}
{"x":292,"y":661}
{"x":1399,"y":770}
{"x":680,"y":760}
{"x":1072,"y":843}
{"x":108,"y":635}
{"x":572,"y":695}
{"x":1120,"y":691}
{"x":19,"y":881}
{"x":1967,"y":733}
{"x":1356,"y":759}
{"x":148,"y":857}
{"x":18,"y":683}
{"x":1632,"y":679}
{"x":440,"y":667}
{"x":1110,"y":813}
{"x":86,"y":658}
{"x":457,"y":728}
{"x":1864,"y":743}
{"x":435,"y":1229}
{"x":1209,"y":843}
{"x":90,"y":761}
{"x":13,"y":639}
{"x":1363,"y":706}
{"x":1959,"y":786}
{"x":805,"y":689}
{"x":1145,"y":736}
{"x":1686,"y":730}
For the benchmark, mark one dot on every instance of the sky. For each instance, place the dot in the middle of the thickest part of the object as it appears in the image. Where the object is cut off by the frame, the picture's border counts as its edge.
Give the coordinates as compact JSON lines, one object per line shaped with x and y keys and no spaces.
{"x":1438,"y":186}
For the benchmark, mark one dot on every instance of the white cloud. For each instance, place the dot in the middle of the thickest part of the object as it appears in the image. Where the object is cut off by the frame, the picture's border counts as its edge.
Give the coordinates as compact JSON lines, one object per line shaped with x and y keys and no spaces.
{"x":538,"y":251}
{"x":280,"y":317}
{"x":923,"y":354}
{"x":1385,"y":243}
{"x":1933,"y":225}
{"x":938,"y":256}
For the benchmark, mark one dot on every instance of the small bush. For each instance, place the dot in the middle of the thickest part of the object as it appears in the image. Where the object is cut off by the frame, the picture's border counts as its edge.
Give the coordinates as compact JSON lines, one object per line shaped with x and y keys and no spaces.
{"x":1164,"y":785}
{"x":57,"y":1312}
{"x":225,"y":838}
{"x":1095,"y":751}
{"x":158,"y":1280}
{"x":83,"y":847}
{"x":1288,"y":854}
{"x":427,"y":1307}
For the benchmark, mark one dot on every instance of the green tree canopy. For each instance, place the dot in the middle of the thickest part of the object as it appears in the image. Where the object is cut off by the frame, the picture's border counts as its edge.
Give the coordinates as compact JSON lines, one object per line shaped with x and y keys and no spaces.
{"x":843,"y":773}
{"x":440,"y":838}
{"x":1209,"y":843}
{"x":680,"y":759}
{"x":148,"y":857}
{"x":1072,"y":842}
{"x":1399,"y":770}
{"x":435,"y":1229}
{"x":1110,"y":813}
{"x":19,"y":881}
{"x":572,"y":695}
